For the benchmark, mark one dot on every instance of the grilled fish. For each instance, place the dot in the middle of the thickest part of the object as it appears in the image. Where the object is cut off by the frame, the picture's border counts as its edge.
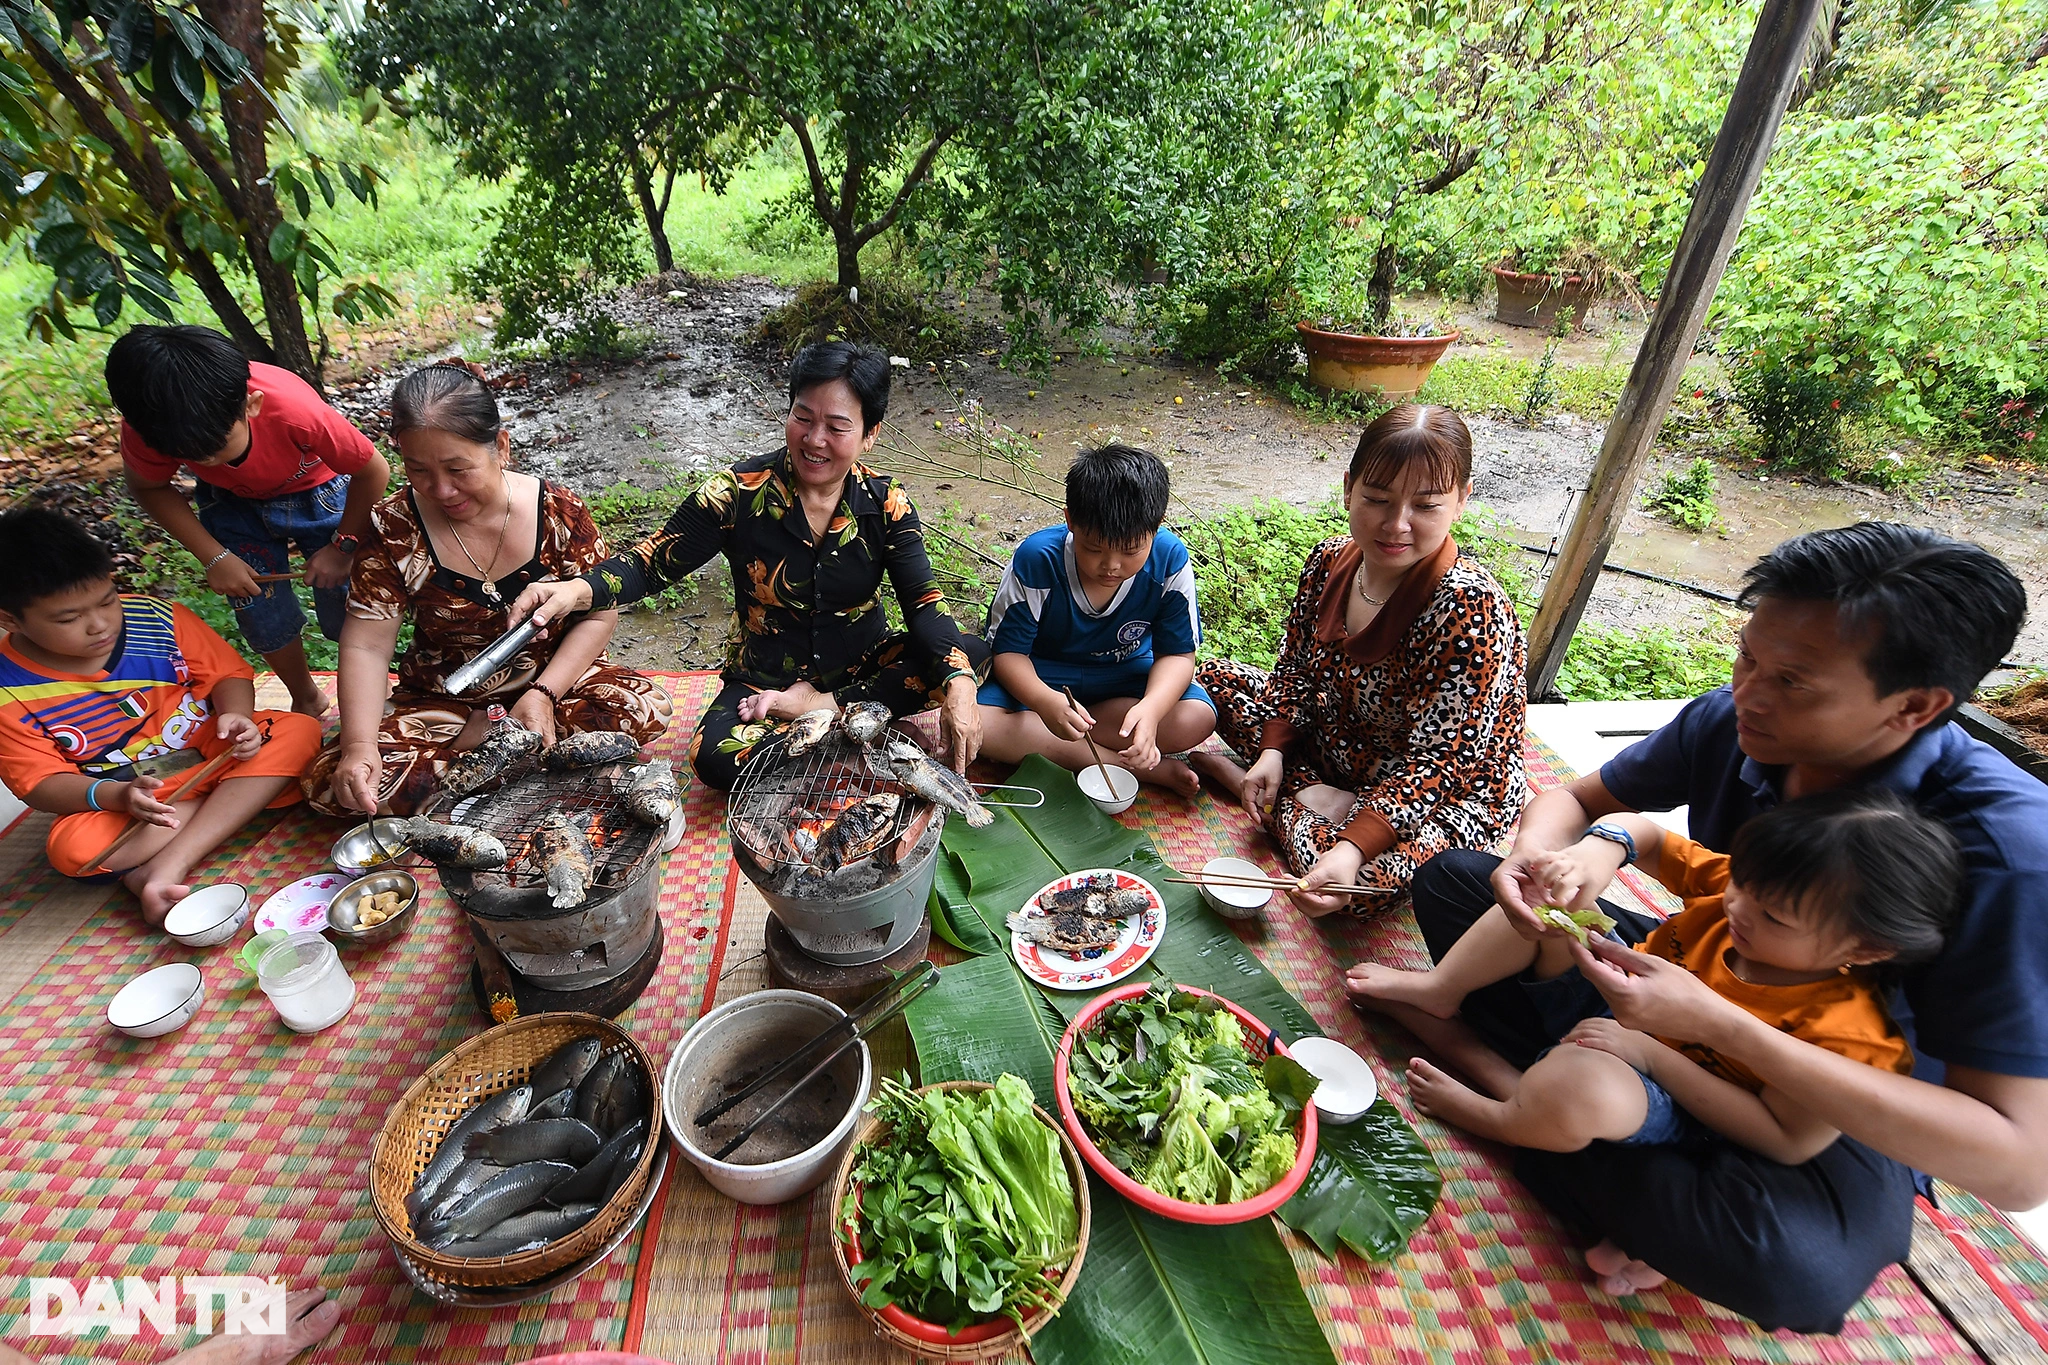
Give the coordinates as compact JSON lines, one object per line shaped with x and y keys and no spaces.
{"x":521,"y":1232}
{"x":1067,"y":931}
{"x":454,"y":845}
{"x":654,"y":794}
{"x":495,"y":1111}
{"x":566,"y":857}
{"x":471,"y":771}
{"x":591,"y":748}
{"x":857,"y":832}
{"x":566,"y":1066}
{"x":1093,"y":890}
{"x":901,"y":760}
{"x":808,"y":729}
{"x":864,"y":721}
{"x":537,"y":1140}
{"x":497,"y":1199}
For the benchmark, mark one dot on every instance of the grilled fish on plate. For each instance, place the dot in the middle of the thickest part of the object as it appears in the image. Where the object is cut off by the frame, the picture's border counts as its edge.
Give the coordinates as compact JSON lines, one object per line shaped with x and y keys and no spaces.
{"x":1067,"y":931}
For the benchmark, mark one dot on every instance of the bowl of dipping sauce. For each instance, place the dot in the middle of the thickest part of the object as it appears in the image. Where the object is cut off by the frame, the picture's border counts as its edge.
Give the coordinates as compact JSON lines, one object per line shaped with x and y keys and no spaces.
{"x":209,"y":915}
{"x":357,"y":852}
{"x":373,"y":909}
{"x":159,"y":1001}
{"x":1235,"y":902}
{"x":1113,"y":797}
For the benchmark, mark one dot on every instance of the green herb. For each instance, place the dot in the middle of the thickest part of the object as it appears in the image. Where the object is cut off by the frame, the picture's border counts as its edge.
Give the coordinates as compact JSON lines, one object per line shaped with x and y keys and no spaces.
{"x":1580,"y":924}
{"x":1171,"y":1098}
{"x":963,"y":1207}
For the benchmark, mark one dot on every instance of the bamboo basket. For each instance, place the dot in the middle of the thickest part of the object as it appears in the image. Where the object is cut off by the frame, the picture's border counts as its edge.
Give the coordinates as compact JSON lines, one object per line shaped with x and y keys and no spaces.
{"x":931,"y":1341}
{"x":496,"y":1060}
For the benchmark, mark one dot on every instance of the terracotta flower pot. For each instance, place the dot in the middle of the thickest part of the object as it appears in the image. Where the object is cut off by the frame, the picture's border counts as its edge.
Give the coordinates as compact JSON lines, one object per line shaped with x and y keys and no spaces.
{"x":1390,"y":367}
{"x":1535,"y":300}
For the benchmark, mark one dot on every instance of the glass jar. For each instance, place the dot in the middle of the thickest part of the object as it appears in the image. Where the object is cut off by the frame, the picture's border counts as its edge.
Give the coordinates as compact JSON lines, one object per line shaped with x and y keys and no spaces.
{"x":304,"y":979}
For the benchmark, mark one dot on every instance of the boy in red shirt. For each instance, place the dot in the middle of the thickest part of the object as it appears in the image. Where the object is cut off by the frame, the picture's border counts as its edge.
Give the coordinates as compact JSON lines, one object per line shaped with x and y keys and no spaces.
{"x":102,"y":695}
{"x":276,"y":467}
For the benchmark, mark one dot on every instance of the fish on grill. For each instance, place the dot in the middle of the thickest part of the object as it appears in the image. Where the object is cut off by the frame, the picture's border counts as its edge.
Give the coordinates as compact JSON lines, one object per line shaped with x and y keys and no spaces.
{"x":865,"y":721}
{"x":859,"y":831}
{"x":454,"y":845}
{"x":591,"y":748}
{"x":654,"y":793}
{"x":470,"y":772}
{"x":566,"y":857}
{"x":808,"y":729}
{"x":1072,"y":932}
{"x":901,"y":760}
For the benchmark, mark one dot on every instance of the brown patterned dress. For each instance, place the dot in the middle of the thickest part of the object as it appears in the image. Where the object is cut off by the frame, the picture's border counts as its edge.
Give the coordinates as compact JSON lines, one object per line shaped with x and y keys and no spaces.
{"x":1420,"y":714}
{"x":396,"y":573}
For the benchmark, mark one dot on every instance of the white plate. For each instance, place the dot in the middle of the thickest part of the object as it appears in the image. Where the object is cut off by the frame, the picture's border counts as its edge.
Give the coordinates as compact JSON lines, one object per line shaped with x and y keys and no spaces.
{"x":1348,"y":1086}
{"x":1140,"y":936}
{"x":302,"y":906}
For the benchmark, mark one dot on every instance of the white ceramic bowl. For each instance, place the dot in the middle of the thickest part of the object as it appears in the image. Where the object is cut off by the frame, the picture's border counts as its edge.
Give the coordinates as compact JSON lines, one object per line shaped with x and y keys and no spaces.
{"x":158,"y":1002}
{"x":1348,"y":1086}
{"x":1235,"y":902}
{"x":210,"y":915}
{"x":687,"y":1087}
{"x":1112,"y":799}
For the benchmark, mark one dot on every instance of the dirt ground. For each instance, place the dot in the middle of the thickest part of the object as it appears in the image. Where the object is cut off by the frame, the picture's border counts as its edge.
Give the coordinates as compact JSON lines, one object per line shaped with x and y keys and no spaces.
{"x":700,"y":396}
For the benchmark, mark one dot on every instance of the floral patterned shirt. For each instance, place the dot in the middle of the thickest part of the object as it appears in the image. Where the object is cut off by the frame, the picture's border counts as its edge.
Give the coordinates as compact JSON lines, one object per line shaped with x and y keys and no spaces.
{"x":803,"y":606}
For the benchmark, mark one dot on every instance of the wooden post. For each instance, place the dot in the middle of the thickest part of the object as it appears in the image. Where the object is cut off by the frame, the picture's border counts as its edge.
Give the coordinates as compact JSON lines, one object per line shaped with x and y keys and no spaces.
{"x":1777,"y":56}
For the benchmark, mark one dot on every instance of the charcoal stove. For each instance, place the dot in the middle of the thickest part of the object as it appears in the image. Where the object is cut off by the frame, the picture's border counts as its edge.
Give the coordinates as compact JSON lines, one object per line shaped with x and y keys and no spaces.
{"x":595,"y":957}
{"x":870,"y":911}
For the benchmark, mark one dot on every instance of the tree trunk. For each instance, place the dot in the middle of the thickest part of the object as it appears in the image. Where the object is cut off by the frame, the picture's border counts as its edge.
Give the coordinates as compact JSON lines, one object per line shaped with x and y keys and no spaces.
{"x":847,"y":247}
{"x":643,"y":190}
{"x":1380,"y":291}
{"x":247,"y":115}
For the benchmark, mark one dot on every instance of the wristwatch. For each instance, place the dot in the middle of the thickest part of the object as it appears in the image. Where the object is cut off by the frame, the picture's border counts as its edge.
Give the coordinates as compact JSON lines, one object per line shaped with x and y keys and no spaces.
{"x":1614,"y":834}
{"x":345,"y":542}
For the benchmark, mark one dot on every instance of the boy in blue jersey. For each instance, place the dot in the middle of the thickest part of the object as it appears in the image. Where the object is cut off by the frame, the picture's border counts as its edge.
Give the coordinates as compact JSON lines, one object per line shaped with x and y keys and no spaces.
{"x":1103,"y":606}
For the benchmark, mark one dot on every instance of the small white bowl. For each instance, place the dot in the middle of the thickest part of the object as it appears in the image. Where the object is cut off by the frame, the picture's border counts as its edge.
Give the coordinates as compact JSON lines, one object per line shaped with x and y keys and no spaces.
{"x":1112,"y":799}
{"x":1235,"y":902}
{"x":1348,"y":1086}
{"x":209,"y":915}
{"x":158,"y":1002}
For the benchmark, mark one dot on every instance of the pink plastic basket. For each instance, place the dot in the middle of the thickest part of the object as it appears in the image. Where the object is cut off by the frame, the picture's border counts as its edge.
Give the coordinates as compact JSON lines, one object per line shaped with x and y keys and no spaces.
{"x":1259,"y":1042}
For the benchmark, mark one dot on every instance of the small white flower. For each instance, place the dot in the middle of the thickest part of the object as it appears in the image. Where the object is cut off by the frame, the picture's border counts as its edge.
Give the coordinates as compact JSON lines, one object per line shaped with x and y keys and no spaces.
{"x":901,"y":362}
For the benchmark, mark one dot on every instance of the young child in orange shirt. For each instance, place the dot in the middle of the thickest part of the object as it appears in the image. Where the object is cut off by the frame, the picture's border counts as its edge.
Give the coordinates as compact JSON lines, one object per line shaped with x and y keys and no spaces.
{"x":98,"y":687}
{"x":1792,"y":925}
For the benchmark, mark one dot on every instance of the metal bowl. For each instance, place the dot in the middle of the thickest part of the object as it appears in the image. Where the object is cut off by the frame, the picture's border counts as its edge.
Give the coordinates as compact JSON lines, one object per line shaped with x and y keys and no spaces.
{"x":341,"y":911}
{"x":354,"y":850}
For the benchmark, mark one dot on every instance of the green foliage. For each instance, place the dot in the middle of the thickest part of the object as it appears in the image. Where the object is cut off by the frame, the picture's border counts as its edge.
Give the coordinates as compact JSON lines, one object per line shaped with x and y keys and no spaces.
{"x":1687,"y":499}
{"x":1248,"y":563}
{"x":1543,"y":384}
{"x":1241,"y":323}
{"x":1605,"y":663}
{"x":1796,"y":403}
{"x":890,"y":310}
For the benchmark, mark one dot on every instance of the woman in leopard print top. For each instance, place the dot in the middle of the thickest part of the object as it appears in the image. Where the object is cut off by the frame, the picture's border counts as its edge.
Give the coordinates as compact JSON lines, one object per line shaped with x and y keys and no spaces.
{"x":1390,"y":727}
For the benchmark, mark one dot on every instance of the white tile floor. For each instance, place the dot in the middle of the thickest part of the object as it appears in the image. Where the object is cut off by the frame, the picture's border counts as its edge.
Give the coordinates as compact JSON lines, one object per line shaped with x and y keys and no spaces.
{"x":1587,"y":734}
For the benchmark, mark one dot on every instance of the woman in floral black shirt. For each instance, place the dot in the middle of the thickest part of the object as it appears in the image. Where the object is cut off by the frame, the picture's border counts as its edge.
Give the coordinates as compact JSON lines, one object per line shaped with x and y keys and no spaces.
{"x":809,"y":532}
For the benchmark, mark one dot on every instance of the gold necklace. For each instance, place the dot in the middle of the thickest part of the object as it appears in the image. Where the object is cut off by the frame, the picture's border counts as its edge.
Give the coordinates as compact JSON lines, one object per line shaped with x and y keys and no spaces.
{"x":1358,"y":581}
{"x":490,"y":589}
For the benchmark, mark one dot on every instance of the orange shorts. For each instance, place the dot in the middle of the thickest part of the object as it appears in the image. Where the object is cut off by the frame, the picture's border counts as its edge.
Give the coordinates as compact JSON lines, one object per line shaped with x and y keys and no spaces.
{"x":293,"y":740}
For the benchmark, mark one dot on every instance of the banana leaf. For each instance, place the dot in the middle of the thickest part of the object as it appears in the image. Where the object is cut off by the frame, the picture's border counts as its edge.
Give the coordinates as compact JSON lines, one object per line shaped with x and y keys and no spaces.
{"x":954,"y":917}
{"x":1373,"y":1183}
{"x":1151,"y":1291}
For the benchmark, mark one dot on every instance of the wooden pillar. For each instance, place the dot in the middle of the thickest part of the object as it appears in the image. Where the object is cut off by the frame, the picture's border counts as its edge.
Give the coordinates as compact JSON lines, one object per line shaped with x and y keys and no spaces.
{"x":1777,"y":56}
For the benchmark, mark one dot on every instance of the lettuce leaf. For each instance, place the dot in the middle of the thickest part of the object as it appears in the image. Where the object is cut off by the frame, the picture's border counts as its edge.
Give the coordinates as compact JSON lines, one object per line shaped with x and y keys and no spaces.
{"x":1580,"y":924}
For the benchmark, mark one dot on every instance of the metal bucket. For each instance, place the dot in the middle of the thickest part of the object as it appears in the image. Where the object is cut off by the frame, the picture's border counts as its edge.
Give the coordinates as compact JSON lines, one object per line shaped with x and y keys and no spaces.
{"x":865,"y":928}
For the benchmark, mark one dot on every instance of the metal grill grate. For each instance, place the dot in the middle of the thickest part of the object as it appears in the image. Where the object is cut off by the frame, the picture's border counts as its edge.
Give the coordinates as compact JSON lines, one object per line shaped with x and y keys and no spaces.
{"x":593,"y":798}
{"x":775,"y":790}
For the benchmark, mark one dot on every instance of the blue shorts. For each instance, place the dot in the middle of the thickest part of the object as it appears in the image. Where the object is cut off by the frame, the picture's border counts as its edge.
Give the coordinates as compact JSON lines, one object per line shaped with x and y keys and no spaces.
{"x":1567,"y":1000}
{"x":262,"y":533}
{"x":1091,"y":684}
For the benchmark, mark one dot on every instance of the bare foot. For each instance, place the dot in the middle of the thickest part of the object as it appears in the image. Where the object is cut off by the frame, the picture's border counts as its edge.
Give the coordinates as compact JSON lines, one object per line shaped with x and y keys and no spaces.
{"x":1619,"y":1275}
{"x":783,"y":704}
{"x":1423,"y":990}
{"x":310,"y":1314}
{"x":1455,"y":1044}
{"x":157,"y":896}
{"x":1223,"y":775}
{"x":1332,"y":803}
{"x":315,"y":706}
{"x":1173,"y":775}
{"x":1442,"y":1096}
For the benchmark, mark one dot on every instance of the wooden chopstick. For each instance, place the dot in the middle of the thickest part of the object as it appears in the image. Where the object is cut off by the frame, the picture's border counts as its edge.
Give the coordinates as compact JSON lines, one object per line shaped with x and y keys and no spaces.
{"x":1277,"y":884}
{"x":1102,"y":767}
{"x":134,"y":827}
{"x":276,"y":578}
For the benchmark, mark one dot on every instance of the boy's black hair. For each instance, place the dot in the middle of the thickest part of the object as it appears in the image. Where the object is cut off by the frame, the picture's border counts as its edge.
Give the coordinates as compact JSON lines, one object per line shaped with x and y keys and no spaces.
{"x":47,"y":553}
{"x":1117,"y":492}
{"x":865,"y":370}
{"x":1939,"y":612}
{"x":181,"y":388}
{"x":1861,"y":854}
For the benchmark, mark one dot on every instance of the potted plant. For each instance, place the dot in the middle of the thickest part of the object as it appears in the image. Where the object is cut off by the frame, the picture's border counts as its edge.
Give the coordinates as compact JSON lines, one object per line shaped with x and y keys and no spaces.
{"x":1542,"y":278}
{"x":1390,"y":359}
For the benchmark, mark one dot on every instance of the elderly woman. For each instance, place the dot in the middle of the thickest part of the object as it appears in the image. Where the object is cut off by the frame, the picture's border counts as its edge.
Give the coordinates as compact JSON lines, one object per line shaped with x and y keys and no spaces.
{"x":452,"y":549}
{"x":1390,"y":727}
{"x":808,"y":532}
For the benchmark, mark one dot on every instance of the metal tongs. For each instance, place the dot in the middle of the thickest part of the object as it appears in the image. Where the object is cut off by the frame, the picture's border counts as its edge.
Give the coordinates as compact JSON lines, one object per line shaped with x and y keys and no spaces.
{"x":878,"y":1009}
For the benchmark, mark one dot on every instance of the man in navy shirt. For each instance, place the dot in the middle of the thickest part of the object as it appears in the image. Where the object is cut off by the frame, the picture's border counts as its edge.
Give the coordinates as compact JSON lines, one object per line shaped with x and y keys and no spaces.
{"x":1861,"y":643}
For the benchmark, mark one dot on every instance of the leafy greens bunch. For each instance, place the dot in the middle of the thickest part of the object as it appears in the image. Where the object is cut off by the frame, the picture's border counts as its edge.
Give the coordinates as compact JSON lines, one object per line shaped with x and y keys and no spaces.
{"x":963,"y":1207}
{"x":1170,"y":1096}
